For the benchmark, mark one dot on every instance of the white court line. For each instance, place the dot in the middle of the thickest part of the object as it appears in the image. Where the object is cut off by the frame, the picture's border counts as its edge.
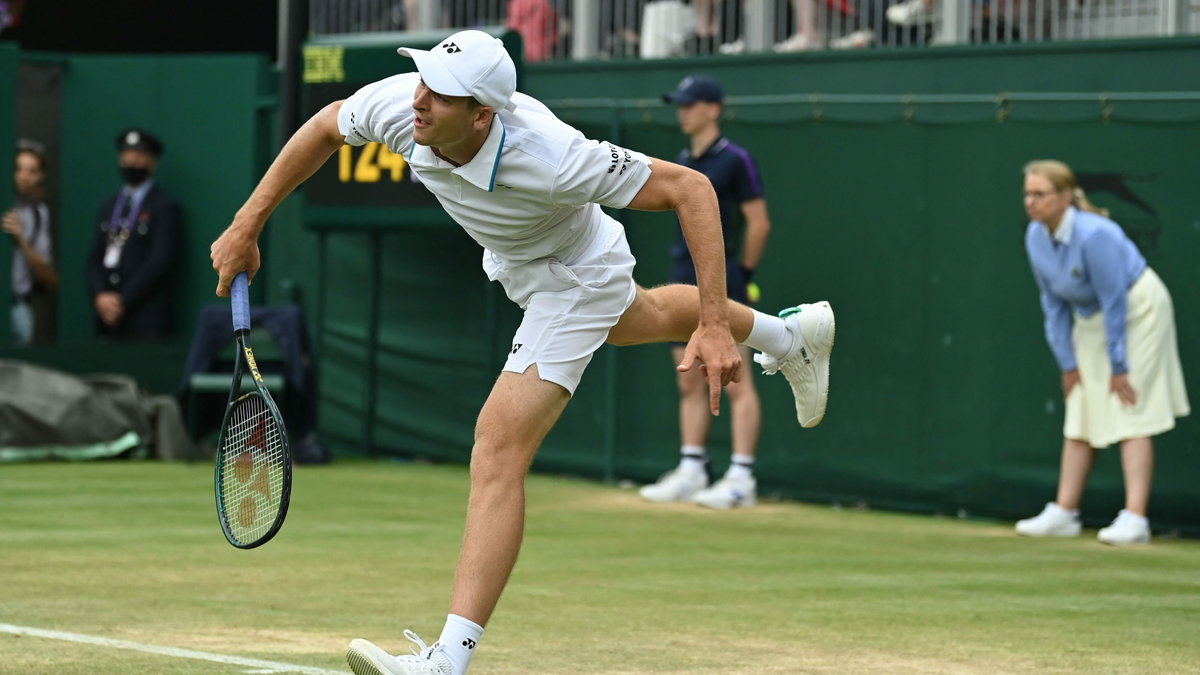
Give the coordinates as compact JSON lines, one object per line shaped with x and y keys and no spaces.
{"x":264,"y":666}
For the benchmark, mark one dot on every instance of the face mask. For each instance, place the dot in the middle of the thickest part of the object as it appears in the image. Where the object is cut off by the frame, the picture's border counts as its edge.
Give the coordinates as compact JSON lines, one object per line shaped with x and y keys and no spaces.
{"x":134,"y":175}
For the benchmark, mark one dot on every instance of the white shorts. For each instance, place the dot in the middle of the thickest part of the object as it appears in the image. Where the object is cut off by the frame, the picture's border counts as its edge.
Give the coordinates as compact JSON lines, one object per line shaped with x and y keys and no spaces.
{"x":570,"y":306}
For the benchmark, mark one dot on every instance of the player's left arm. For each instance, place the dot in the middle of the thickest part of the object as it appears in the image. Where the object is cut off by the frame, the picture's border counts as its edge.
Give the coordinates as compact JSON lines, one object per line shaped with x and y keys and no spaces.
{"x":690,"y":195}
{"x":672,"y":187}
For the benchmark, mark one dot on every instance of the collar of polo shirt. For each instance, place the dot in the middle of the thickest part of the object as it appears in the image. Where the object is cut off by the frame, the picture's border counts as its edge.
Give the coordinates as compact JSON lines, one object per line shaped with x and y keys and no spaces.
{"x":1062,"y":234}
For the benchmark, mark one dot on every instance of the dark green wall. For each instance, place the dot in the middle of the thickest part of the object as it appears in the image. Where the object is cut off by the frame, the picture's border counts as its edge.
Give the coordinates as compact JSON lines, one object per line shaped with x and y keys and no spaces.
{"x":905,"y":213}
{"x":908,"y":218}
{"x":206,"y":111}
{"x":8,"y":137}
{"x":212,"y":114}
{"x":1114,"y":65}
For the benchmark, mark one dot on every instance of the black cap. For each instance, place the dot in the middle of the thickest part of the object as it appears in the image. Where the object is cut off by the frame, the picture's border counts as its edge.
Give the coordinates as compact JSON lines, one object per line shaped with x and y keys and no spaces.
{"x":695,"y":88}
{"x":30,"y":145}
{"x":137,"y":139}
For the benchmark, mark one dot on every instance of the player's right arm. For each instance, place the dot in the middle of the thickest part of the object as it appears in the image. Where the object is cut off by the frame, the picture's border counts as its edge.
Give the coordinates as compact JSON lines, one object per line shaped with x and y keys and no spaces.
{"x":236,"y":250}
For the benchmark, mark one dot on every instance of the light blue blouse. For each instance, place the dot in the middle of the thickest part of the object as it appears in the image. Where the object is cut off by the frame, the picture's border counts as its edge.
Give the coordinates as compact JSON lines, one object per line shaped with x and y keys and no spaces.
{"x":1087,"y":265}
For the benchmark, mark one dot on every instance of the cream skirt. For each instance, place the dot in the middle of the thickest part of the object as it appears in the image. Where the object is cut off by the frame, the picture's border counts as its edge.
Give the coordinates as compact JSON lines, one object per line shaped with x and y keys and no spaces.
{"x":1095,"y":415}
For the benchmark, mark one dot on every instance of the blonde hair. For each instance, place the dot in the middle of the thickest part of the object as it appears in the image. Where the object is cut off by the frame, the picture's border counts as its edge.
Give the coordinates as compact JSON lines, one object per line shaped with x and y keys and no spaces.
{"x":1062,"y":178}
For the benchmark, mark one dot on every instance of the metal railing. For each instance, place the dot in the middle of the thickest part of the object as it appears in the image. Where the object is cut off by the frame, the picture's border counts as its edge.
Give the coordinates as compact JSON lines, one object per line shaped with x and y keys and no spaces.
{"x":623,"y":29}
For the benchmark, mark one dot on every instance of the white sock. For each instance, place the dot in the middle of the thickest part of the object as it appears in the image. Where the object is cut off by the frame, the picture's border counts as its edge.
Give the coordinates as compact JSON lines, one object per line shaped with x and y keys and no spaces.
{"x":769,"y":335}
{"x":459,"y":639}
{"x":693,"y":458}
{"x":742,"y":467}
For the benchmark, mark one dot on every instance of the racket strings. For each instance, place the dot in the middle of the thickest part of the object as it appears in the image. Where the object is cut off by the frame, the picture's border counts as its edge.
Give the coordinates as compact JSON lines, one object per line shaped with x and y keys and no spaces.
{"x":252,"y":473}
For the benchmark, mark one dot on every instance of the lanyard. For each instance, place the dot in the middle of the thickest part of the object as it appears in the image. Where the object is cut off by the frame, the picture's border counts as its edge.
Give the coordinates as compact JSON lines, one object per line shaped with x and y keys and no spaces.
{"x":126,"y":224}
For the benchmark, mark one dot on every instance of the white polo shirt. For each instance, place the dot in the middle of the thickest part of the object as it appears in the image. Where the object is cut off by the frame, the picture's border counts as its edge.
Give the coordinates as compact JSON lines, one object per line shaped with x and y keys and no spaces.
{"x":534,"y":189}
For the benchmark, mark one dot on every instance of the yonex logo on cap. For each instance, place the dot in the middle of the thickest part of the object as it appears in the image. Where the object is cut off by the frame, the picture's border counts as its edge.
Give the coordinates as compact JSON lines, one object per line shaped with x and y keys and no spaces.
{"x":481,"y":68}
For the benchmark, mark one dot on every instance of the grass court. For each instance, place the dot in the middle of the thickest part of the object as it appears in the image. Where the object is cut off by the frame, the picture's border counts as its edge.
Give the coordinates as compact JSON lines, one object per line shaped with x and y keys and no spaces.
{"x":130,"y":553}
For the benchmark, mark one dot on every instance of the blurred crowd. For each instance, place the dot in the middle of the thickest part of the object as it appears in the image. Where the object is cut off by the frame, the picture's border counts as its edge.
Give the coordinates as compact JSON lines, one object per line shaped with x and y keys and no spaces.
{"x":650,"y":28}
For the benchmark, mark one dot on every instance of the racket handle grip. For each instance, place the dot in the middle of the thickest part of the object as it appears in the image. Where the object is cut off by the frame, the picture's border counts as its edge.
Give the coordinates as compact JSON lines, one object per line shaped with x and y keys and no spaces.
{"x":240,"y":295}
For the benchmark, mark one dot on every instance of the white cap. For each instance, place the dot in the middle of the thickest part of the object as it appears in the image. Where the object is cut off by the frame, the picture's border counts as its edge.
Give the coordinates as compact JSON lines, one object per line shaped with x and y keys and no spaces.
{"x":469,"y":63}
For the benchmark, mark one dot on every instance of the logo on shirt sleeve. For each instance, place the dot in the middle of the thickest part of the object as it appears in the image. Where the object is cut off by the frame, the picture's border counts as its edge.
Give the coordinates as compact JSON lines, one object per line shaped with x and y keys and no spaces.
{"x":354,"y":127}
{"x":619,"y":156}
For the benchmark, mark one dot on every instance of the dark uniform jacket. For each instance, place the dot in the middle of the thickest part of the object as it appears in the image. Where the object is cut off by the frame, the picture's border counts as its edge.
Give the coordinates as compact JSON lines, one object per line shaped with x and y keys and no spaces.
{"x":143,"y":275}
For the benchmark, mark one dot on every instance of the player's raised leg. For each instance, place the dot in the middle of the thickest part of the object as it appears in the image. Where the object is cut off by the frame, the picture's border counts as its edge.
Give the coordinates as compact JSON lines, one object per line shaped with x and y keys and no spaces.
{"x":798,"y":342}
{"x":518,"y":414}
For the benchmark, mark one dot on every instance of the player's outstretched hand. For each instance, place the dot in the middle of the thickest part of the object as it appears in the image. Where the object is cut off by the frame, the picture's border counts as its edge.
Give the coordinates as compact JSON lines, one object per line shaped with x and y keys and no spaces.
{"x":236,"y":250}
{"x":720,"y":362}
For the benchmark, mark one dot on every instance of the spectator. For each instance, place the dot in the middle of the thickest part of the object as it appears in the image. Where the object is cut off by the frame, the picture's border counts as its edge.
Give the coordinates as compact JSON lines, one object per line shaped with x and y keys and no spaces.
{"x":861,"y":23}
{"x":136,"y":247}
{"x":621,"y":23}
{"x":537,"y":22}
{"x":805,"y":35}
{"x":718,"y":25}
{"x":1111,"y":327}
{"x":915,"y":12}
{"x":734,"y":176}
{"x":34,"y":279}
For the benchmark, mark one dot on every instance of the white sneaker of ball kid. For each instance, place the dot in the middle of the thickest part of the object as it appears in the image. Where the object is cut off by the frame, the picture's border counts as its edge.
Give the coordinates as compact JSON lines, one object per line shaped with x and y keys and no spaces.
{"x":367,"y":659}
{"x":1053,"y":521}
{"x":806,"y":365}
{"x":729,"y":493}
{"x":1127,"y":528}
{"x":677,"y":485}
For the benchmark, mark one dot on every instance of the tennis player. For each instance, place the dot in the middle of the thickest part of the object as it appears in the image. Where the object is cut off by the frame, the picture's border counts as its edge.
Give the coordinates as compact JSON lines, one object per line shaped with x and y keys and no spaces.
{"x":529,"y":188}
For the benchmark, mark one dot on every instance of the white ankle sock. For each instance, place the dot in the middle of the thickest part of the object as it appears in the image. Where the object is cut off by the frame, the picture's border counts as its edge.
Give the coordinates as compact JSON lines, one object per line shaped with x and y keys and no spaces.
{"x":742,"y":467}
{"x":459,"y":639}
{"x":692,"y":458}
{"x":769,"y":335}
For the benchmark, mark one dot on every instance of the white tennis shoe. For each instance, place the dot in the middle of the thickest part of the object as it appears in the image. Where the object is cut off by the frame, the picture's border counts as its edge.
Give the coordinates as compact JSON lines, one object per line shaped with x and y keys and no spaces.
{"x":1128,"y":528}
{"x":677,"y":485}
{"x":367,"y":659}
{"x":806,"y":365}
{"x":1053,"y":521}
{"x":729,"y":493}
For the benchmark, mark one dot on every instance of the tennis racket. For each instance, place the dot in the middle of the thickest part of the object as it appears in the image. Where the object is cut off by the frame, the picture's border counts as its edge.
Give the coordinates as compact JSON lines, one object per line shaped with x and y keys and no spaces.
{"x":253,"y":477}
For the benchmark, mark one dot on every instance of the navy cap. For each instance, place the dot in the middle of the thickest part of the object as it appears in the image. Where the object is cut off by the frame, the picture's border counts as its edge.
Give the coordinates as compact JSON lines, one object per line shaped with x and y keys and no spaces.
{"x":695,"y":88}
{"x":137,"y":139}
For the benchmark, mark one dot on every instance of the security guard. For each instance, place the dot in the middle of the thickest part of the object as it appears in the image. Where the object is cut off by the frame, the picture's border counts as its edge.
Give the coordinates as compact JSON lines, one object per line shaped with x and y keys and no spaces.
{"x":136,"y":247}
